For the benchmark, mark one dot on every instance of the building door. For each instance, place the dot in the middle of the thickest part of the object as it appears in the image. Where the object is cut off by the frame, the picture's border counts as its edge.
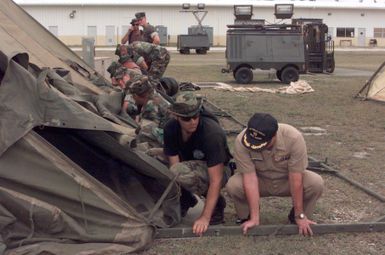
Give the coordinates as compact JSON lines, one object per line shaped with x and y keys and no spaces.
{"x":361,"y":39}
{"x":124,"y":29}
{"x":54,"y":30}
{"x":91,"y":32}
{"x":110,"y":35}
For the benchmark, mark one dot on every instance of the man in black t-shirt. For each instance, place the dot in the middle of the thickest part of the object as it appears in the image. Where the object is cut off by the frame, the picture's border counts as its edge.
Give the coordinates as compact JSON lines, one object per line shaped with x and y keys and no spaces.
{"x":149,"y":33}
{"x":197,"y":151}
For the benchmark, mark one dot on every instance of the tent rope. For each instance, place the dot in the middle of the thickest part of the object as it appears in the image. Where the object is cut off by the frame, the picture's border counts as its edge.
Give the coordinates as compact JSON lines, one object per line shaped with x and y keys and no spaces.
{"x":32,"y":224}
{"x":83,"y":207}
{"x":162,"y":198}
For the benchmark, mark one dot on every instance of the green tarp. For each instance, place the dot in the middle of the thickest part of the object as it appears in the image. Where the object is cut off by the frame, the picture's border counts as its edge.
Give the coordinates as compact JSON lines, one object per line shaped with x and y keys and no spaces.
{"x":71,"y":181}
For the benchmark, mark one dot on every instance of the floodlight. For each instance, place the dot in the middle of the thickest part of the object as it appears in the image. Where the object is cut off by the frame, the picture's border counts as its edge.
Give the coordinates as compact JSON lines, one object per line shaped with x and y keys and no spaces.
{"x":185,"y":6}
{"x":243,"y":12}
{"x":201,"y":6}
{"x":284,"y":11}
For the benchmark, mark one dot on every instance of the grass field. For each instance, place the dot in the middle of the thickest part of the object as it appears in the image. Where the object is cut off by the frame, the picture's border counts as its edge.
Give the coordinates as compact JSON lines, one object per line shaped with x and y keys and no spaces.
{"x":353,"y":143}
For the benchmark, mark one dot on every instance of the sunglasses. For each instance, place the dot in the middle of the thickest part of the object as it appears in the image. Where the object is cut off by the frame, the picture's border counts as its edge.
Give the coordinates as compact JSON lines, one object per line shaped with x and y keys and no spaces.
{"x":187,"y":119}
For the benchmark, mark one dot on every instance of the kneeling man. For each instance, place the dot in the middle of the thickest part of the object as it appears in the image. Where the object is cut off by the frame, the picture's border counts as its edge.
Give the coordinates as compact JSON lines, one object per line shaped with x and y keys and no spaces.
{"x":271,"y":160}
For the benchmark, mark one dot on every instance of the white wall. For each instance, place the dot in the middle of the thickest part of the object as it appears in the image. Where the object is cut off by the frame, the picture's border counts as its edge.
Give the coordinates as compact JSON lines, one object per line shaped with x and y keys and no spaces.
{"x":178,"y":22}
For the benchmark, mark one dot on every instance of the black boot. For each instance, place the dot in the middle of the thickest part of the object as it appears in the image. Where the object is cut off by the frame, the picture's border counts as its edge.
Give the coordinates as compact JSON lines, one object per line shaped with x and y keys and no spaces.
{"x":291,"y":216}
{"x":187,"y":200}
{"x":219,"y":212}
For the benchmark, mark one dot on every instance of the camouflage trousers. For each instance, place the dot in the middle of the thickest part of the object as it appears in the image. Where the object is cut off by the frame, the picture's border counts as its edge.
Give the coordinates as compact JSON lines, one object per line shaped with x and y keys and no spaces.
{"x":193,"y":176}
{"x":151,"y":133}
{"x":159,"y":64}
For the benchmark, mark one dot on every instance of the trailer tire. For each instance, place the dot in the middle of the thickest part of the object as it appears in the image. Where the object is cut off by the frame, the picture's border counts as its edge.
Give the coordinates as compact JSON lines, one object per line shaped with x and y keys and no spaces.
{"x":184,"y":51}
{"x":201,"y":51}
{"x":289,"y":74}
{"x":330,"y":66}
{"x":278,"y":73}
{"x":243,"y":75}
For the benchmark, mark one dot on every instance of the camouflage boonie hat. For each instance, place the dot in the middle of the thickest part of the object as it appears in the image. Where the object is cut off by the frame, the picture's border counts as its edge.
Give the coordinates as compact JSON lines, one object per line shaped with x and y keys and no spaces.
{"x":120,"y":72}
{"x":124,"y":59}
{"x":113,"y":68}
{"x":186,"y":104}
{"x":139,"y":85}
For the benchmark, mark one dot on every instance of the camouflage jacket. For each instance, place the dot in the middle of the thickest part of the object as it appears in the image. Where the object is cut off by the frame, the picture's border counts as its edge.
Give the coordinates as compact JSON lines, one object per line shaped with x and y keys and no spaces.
{"x":148,"y":51}
{"x":156,"y":110}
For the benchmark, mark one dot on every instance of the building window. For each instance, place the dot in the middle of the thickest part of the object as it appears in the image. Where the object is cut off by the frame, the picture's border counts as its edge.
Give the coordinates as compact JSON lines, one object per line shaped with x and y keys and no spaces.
{"x":379,"y":32}
{"x":345,"y":31}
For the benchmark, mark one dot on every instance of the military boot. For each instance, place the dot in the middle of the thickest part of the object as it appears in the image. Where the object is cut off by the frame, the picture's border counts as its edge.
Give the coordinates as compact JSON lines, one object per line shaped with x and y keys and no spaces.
{"x":219,"y":212}
{"x":187,"y":200}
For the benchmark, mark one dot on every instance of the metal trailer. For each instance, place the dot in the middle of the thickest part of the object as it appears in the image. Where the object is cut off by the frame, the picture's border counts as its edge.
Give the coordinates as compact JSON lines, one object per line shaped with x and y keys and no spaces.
{"x":280,"y":47}
{"x":197,"y":38}
{"x":199,"y":42}
{"x":319,"y":45}
{"x":291,"y":49}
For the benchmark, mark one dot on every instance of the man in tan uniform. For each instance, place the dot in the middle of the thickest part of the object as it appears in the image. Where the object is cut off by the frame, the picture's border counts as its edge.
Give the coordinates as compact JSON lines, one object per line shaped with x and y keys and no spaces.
{"x":271,"y":160}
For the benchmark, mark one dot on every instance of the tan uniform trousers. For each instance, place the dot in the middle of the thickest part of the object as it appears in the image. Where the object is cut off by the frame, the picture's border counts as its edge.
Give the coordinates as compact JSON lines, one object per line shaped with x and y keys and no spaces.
{"x":312,"y":190}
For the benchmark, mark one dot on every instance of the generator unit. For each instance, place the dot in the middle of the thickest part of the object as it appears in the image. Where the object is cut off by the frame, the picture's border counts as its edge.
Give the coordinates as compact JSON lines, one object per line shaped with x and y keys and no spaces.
{"x":199,"y":38}
{"x":290,"y":49}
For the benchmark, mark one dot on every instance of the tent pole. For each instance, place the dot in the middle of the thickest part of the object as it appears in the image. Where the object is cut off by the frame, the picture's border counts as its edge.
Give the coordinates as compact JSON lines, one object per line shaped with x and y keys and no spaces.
{"x":267,"y":230}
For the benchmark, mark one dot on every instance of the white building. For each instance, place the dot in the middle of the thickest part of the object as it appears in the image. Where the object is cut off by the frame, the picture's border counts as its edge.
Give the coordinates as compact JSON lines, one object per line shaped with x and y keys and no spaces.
{"x":351,"y":22}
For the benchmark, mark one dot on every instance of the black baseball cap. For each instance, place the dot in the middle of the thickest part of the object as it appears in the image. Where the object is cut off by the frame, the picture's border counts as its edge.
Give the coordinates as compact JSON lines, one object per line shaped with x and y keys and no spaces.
{"x":261,"y":128}
{"x":134,"y":21}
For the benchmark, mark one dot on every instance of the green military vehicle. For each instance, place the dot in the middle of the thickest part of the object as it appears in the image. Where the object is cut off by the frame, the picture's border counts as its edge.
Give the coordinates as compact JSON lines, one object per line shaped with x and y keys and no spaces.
{"x":290,"y":49}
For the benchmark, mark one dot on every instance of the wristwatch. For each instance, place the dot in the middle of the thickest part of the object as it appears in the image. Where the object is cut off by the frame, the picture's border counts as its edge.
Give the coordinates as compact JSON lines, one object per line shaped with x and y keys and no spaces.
{"x":300,"y":216}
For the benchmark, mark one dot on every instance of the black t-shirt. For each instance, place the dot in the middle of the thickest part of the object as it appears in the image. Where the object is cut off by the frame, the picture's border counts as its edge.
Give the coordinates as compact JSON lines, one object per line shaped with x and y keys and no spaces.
{"x":208,"y":142}
{"x":147,"y":32}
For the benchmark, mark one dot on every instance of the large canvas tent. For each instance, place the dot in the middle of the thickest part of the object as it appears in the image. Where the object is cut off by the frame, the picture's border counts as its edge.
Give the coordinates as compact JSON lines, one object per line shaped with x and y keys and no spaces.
{"x":71,"y":179}
{"x":374,"y":88}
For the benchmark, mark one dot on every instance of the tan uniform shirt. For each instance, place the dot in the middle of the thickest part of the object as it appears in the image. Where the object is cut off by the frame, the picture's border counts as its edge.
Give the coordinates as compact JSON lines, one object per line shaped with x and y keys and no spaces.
{"x":288,"y":154}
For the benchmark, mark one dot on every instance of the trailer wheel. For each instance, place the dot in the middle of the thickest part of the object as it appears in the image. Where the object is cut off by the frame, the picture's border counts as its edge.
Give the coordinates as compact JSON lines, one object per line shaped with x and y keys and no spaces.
{"x":184,"y":51}
{"x":289,"y":74}
{"x":279,"y":75}
{"x":244,"y":75}
{"x":330,"y":66}
{"x":201,"y":51}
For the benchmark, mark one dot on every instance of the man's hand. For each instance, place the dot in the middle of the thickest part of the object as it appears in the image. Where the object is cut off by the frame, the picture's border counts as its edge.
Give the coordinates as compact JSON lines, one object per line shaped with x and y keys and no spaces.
{"x":201,"y":225}
{"x":304,"y":226}
{"x":249,"y":224}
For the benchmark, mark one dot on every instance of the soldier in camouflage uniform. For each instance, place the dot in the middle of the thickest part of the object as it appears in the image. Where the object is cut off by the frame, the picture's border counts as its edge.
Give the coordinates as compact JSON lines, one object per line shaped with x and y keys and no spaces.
{"x":112,"y":70}
{"x":197,"y":151}
{"x":153,"y":111}
{"x":131,"y":62}
{"x":124,"y":77}
{"x":155,"y":56}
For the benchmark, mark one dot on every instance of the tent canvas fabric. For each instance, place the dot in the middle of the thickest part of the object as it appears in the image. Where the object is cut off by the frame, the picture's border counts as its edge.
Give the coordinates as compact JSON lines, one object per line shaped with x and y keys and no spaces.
{"x":374,"y":88}
{"x":71,"y":181}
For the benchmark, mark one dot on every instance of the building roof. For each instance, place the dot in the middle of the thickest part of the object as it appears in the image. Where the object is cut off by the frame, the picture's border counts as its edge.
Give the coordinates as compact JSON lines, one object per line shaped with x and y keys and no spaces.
{"x":366,"y":4}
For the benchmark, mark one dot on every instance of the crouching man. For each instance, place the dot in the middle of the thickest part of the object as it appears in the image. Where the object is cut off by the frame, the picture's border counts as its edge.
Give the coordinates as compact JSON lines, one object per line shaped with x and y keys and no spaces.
{"x":197,"y":151}
{"x":271,"y":160}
